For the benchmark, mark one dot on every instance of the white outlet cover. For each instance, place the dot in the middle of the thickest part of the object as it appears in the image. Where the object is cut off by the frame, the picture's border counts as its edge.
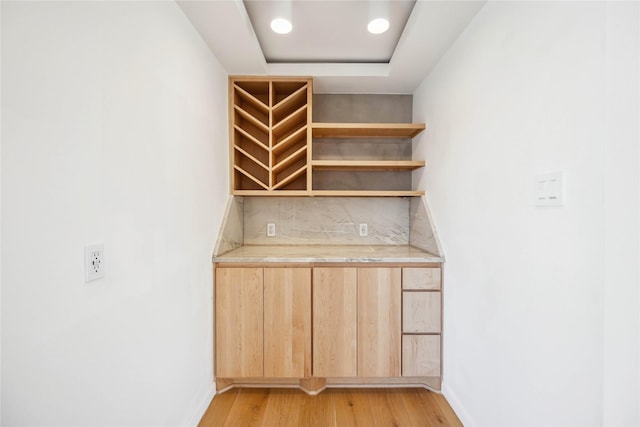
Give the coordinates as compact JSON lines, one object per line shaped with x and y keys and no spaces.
{"x":364,"y":230}
{"x":271,"y":229}
{"x":94,"y":266}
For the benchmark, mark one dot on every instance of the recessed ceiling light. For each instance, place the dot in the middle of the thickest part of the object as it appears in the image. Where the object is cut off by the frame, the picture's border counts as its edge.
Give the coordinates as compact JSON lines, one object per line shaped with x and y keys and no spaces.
{"x":282,"y":26}
{"x":378,"y":26}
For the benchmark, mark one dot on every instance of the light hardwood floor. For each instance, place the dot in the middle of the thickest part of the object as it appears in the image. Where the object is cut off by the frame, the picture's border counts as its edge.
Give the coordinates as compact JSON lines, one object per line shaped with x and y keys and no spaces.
{"x":332,"y":407}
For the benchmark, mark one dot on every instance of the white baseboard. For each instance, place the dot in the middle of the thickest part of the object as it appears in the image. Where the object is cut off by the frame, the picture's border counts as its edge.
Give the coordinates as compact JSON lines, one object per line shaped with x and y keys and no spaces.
{"x":456,"y":405}
{"x":201,"y":406}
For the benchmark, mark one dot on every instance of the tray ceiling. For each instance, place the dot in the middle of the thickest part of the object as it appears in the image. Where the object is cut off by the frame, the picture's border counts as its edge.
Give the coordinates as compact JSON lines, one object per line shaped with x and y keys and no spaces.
{"x":324,"y":43}
{"x":327,"y":31}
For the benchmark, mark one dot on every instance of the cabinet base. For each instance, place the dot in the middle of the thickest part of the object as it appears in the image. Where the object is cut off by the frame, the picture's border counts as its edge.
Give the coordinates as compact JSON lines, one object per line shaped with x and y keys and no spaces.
{"x":314,"y":385}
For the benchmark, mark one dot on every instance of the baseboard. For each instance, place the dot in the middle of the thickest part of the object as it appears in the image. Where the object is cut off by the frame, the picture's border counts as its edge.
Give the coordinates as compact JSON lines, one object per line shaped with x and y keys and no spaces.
{"x":456,"y":405}
{"x":201,"y":406}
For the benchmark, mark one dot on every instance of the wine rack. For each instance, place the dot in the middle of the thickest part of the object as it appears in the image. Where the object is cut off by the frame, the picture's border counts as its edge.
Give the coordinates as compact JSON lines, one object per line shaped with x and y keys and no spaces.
{"x":270,"y":128}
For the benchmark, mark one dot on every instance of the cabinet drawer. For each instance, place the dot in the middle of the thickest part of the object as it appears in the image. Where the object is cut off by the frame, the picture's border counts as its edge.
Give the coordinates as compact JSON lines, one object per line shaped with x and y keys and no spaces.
{"x":421,"y":278}
{"x":421,"y":355}
{"x":421,"y":312}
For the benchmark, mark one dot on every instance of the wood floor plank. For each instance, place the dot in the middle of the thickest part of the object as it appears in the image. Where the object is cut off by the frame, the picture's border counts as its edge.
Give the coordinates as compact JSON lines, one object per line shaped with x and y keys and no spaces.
{"x":422,"y":409}
{"x":445,"y":409}
{"x":352,"y":407}
{"x":218,"y":410}
{"x":388,"y":408}
{"x":348,"y":407}
{"x":282,"y":407}
{"x":318,"y":411}
{"x":248,"y":409}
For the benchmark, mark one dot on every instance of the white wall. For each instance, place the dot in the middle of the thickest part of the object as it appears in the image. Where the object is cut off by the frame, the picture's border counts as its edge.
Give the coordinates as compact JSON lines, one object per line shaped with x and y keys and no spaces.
{"x":114,"y":130}
{"x":535,"y":297}
{"x":621,"y":376}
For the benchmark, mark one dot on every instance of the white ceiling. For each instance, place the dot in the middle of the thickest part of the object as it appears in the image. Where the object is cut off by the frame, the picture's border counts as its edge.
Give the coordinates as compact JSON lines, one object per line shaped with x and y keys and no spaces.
{"x":324,"y":31}
{"x":430,"y":30}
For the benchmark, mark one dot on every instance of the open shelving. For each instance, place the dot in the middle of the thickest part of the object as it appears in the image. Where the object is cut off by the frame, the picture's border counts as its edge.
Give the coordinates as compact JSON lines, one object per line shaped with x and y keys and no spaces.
{"x":272,"y":136}
{"x":368,"y":131}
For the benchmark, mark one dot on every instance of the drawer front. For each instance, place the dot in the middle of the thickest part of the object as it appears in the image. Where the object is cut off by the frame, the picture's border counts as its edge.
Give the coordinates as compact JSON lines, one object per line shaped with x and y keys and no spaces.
{"x":421,"y":355}
{"x":421,"y":278}
{"x":421,"y":312}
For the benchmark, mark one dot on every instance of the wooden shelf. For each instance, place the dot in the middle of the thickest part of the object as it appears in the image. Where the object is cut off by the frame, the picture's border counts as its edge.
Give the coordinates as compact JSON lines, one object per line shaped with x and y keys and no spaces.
{"x":265,"y":192}
{"x":366,"y":130}
{"x":331,"y":193}
{"x":367,"y":165}
{"x":366,"y":193}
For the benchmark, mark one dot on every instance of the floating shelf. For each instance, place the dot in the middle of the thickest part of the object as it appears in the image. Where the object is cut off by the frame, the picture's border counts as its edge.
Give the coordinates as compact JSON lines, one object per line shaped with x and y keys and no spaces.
{"x":367,"y":165}
{"x":366,"y":130}
{"x":332,"y":193}
{"x":366,"y":193}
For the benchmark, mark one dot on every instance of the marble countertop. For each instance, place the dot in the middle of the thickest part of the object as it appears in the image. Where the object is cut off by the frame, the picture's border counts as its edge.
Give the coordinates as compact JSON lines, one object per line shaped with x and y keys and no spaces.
{"x":327,"y":253}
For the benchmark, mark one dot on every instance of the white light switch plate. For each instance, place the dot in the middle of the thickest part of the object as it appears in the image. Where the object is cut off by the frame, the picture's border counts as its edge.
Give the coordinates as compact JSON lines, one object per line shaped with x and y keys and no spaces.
{"x":549,"y":189}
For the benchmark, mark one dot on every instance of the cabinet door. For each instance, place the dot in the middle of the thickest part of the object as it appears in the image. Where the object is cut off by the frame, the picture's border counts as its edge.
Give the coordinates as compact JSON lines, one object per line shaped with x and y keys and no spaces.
{"x":334,"y":322}
{"x":287,"y":322}
{"x":421,"y":355}
{"x":379,"y":291}
{"x":239,"y":326}
{"x":421,"y":312}
{"x":420,"y":278}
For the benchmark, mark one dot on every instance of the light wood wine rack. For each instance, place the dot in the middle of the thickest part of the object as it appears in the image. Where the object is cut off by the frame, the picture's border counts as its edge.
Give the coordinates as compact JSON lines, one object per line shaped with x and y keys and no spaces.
{"x":270,"y":127}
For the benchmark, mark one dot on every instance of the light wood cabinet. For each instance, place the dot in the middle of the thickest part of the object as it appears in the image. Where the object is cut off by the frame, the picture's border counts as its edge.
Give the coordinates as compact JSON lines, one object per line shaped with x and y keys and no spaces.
{"x":263,"y":324}
{"x":335,"y":322}
{"x":420,"y":278}
{"x":421,"y":355}
{"x":239,"y":322}
{"x":356,"y":319}
{"x":421,"y":312}
{"x":345,"y":324}
{"x":287,"y":322}
{"x":421,"y":322}
{"x":379,"y":322}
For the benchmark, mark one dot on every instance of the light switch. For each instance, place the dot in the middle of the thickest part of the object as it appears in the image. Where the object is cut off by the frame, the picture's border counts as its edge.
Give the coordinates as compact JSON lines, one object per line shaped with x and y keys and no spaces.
{"x":549,"y":189}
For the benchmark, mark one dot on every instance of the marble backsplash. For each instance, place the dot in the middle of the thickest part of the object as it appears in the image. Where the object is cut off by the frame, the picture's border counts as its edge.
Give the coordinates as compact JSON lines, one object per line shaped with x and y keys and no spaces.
{"x":422,"y":233}
{"x":232,"y":229}
{"x":326,"y":220}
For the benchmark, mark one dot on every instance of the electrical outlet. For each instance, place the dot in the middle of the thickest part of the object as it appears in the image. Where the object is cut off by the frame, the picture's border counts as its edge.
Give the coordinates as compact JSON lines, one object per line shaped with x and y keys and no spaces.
{"x":364,"y":230}
{"x":93,"y":262}
{"x":271,"y":229}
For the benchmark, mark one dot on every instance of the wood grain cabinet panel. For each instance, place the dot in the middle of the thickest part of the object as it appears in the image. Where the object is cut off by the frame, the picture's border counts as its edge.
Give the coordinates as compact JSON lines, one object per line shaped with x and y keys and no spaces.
{"x":419,"y":278}
{"x":334,"y":322}
{"x":287,"y":322}
{"x":379,"y":292}
{"x":421,"y":312}
{"x":239,"y":322}
{"x":421,"y":355}
{"x":278,"y":324}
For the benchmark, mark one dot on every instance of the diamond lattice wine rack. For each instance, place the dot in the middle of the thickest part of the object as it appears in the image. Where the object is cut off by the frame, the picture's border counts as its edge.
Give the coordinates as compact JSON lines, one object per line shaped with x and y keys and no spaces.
{"x":270,"y":135}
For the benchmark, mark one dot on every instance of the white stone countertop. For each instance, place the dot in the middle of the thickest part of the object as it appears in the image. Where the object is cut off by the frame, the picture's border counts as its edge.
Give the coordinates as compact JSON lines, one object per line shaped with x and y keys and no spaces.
{"x":327,"y":253}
